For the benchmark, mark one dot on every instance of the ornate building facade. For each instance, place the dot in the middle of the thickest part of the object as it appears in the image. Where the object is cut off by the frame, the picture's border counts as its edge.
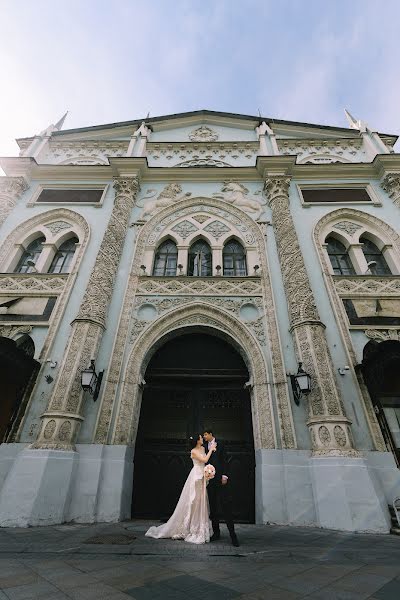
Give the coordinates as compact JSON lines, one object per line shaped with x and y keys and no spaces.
{"x":197,"y":259}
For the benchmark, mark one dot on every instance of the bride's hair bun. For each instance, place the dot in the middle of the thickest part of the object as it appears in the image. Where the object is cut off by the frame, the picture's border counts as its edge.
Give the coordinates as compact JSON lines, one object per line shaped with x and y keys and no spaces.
{"x":193,"y":440}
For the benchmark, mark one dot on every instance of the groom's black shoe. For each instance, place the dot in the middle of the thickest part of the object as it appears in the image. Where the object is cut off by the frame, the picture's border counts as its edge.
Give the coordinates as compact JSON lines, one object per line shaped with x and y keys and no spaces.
{"x":215,"y":536}
{"x":235,"y":541}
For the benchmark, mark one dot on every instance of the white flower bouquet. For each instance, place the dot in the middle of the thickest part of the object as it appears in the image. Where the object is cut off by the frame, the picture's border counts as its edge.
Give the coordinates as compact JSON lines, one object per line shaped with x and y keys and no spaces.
{"x":209,"y":472}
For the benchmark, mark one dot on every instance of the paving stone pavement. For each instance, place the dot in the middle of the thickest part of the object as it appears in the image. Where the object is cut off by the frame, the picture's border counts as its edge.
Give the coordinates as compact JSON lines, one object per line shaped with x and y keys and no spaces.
{"x":272,"y":563}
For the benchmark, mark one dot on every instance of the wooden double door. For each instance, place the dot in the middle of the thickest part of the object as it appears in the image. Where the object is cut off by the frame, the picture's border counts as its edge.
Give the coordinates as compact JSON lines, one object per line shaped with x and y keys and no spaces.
{"x":174,"y":408}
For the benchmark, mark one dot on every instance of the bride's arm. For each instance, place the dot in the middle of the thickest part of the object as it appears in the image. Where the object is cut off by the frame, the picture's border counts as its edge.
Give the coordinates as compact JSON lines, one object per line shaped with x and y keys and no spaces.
{"x":201,"y":457}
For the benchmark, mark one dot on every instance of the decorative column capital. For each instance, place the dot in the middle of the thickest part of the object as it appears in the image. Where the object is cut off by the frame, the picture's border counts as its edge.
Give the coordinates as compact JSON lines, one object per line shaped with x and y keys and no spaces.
{"x":126,"y":186}
{"x":391,"y":185}
{"x":12,"y":187}
{"x":276,"y":186}
{"x":10,"y":190}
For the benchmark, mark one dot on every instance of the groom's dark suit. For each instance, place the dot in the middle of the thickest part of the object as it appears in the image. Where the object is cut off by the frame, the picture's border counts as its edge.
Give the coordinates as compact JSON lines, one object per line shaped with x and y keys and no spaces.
{"x":219,"y":495}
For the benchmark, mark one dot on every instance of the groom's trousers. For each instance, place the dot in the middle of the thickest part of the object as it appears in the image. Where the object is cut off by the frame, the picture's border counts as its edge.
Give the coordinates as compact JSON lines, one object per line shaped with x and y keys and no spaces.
{"x":220,"y":501}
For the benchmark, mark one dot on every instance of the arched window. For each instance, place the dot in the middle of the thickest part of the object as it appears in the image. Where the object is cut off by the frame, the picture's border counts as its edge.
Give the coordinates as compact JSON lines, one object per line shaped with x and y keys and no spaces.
{"x":200,"y":259}
{"x":377,"y":265}
{"x":61,"y":263}
{"x":30,"y":256}
{"x":234,"y":259}
{"x":340,"y":260}
{"x":166,"y":259}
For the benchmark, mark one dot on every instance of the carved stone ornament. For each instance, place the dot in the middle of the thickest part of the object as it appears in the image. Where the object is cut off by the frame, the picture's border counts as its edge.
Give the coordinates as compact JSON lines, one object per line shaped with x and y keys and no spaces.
{"x":203,"y":134}
{"x":367,"y":286}
{"x":383,"y":335}
{"x":324,"y":401}
{"x":57,"y":226}
{"x":169,"y":195}
{"x":98,"y":292}
{"x":237,"y":194}
{"x":11,"y":188}
{"x":203,"y":162}
{"x":11,"y":331}
{"x":391,"y":184}
{"x":88,"y":327}
{"x":324,"y":435}
{"x":239,"y":220}
{"x":347,"y":227}
{"x":323,"y":151}
{"x":216,"y":228}
{"x":184,"y":229}
{"x":34,"y":283}
{"x":201,"y":218}
{"x":275,"y":187}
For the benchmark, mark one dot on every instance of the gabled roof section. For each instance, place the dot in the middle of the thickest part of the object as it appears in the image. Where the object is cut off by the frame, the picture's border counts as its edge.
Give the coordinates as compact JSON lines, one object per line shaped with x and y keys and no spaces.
{"x":281,"y":127}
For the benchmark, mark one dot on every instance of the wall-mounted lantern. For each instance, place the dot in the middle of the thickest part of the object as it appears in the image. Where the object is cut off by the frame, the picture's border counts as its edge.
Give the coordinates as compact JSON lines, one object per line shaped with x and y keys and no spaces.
{"x":90,"y":381}
{"x":301,"y":383}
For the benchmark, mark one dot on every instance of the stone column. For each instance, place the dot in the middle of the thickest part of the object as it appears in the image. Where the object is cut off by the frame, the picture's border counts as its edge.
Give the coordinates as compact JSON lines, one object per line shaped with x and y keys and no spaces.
{"x":328,"y":424}
{"x":11,"y":188}
{"x":61,"y":421}
{"x":391,"y":184}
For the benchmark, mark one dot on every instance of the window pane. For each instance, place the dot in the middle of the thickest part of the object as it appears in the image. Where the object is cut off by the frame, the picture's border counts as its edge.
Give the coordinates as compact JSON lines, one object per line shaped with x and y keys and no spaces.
{"x":234,"y":260}
{"x":62,"y":261}
{"x":340,"y":260}
{"x":31,"y":254}
{"x":200,"y":260}
{"x":336,"y":195}
{"x":377,"y":264}
{"x":166,"y":259}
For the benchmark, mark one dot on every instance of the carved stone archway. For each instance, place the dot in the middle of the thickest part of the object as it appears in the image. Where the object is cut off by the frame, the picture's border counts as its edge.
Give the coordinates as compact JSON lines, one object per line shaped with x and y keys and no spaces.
{"x":148,"y":235}
{"x":196,"y":315}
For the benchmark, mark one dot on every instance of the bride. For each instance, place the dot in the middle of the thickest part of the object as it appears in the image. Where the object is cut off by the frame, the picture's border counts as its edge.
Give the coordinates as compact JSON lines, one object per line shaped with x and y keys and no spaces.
{"x":190,"y":520}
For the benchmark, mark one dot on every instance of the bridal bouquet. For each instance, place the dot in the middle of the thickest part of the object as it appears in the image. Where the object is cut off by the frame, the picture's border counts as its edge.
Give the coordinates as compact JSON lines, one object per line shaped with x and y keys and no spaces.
{"x":209,"y":472}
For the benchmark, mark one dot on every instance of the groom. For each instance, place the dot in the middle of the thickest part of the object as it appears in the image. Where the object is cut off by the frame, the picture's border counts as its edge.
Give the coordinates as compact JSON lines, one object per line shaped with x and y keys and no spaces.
{"x":218,"y":489}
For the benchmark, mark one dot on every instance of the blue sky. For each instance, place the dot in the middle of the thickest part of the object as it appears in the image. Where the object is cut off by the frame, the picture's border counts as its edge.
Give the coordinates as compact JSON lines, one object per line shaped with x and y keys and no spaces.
{"x":104,"y":61}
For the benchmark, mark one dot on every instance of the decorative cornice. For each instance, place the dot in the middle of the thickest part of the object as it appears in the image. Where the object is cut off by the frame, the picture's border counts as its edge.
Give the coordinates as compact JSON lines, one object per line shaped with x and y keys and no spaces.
{"x":265,"y":166}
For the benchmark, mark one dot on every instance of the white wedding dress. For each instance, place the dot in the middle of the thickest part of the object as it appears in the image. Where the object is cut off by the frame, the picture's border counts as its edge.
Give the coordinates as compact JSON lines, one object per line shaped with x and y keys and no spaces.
{"x":190,"y":520}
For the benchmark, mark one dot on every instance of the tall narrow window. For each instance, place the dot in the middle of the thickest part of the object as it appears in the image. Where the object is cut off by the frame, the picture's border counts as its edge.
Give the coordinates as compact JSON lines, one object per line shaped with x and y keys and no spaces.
{"x":340,"y":260}
{"x":200,"y":259}
{"x":166,"y":259}
{"x":234,"y":258}
{"x":377,"y":264}
{"x":30,"y":256}
{"x":62,"y":261}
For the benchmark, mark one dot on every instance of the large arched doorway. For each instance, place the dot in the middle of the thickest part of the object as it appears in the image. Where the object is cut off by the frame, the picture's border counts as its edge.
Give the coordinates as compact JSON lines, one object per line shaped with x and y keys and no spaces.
{"x":193,"y":381}
{"x":381,"y":370}
{"x":18,"y":371}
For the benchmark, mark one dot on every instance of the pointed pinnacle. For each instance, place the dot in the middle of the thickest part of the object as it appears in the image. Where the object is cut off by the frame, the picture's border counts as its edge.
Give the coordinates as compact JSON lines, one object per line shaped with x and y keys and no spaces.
{"x":354,"y":124}
{"x":60,"y":123}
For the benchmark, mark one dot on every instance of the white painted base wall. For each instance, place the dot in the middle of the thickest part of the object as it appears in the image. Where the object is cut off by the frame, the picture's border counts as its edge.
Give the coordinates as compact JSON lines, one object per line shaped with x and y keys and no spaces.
{"x":94,"y":484}
{"x":347,"y":494}
{"x":47,"y":487}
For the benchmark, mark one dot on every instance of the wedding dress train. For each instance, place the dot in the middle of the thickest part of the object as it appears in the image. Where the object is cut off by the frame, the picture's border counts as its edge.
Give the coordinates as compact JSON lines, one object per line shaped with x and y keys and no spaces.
{"x":190,"y":520}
